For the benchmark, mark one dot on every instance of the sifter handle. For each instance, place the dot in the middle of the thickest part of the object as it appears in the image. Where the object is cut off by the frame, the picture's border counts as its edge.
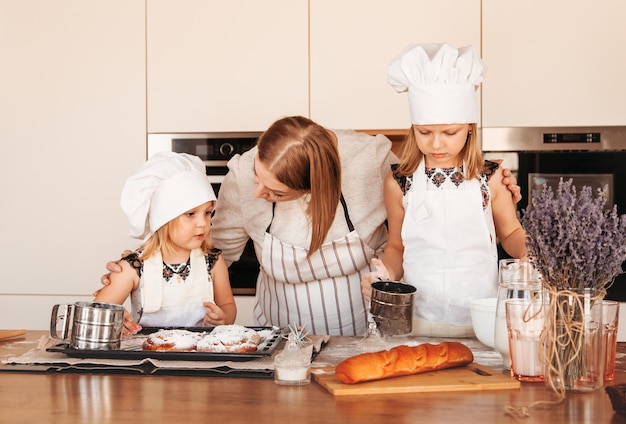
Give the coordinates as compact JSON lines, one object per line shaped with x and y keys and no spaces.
{"x":54,"y":319}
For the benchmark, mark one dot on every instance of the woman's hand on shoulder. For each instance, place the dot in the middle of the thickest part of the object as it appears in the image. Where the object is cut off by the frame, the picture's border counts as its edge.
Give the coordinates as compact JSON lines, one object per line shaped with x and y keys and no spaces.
{"x":120,"y":286}
{"x":111,"y":266}
{"x":498,"y":184}
{"x":509,"y":231}
{"x":509,"y":180}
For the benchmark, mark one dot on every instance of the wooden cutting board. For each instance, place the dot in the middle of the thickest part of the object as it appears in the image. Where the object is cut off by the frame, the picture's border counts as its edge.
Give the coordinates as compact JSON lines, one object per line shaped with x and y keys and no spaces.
{"x":7,"y":334}
{"x":470,"y":377}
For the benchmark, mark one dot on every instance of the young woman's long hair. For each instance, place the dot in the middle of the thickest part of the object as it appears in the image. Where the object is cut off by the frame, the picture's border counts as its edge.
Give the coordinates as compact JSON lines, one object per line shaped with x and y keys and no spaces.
{"x":412,"y":155}
{"x":304,"y":156}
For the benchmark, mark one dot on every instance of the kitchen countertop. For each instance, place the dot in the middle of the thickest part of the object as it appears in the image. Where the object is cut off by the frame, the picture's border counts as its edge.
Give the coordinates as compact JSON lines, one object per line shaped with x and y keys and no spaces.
{"x":92,"y":397}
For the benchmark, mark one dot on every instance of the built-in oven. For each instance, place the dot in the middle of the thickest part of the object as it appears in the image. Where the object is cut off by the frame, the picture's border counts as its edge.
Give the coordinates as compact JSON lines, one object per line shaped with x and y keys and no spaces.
{"x":590,"y":156}
{"x":215,"y":149}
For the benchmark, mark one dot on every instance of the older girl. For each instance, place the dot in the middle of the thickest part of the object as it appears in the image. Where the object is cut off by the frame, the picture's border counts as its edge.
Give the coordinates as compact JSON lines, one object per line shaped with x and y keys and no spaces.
{"x":446,"y":207}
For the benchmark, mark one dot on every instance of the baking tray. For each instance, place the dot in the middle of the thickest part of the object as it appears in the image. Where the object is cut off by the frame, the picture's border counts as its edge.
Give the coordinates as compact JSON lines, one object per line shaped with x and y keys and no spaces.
{"x":131,"y":348}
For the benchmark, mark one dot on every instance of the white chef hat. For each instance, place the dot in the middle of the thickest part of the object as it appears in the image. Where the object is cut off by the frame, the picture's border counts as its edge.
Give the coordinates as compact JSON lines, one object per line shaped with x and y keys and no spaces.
{"x":165,"y":186}
{"x":441,"y":81}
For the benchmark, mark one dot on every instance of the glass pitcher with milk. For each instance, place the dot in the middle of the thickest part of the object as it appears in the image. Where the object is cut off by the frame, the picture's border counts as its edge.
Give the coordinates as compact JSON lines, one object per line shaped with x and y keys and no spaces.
{"x":517,"y":279}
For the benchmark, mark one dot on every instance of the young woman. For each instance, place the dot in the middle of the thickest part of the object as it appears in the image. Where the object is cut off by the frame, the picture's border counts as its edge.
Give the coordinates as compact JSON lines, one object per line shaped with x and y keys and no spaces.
{"x":446,"y":207}
{"x":175,"y":278}
{"x":311,"y":200}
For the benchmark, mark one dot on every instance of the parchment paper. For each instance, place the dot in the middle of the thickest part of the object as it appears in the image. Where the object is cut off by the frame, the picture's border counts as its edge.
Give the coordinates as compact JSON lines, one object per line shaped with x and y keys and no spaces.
{"x":60,"y":361}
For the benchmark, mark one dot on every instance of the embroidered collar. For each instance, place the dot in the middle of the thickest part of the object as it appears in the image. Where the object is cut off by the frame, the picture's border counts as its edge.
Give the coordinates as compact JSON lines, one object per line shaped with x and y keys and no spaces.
{"x":439,"y":175}
{"x":180,"y":270}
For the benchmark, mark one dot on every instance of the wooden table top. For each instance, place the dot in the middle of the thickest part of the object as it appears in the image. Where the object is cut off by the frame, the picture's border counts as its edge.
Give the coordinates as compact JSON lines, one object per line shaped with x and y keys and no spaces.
{"x":71,"y":397}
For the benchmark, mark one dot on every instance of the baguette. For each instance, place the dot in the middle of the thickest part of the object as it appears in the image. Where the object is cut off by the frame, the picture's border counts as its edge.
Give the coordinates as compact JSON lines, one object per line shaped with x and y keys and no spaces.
{"x":403,"y":360}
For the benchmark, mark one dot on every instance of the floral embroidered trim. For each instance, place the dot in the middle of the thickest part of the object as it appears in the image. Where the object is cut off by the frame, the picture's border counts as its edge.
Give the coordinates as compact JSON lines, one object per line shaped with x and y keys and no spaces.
{"x":180,"y":270}
{"x":439,"y":175}
{"x":168,"y":270}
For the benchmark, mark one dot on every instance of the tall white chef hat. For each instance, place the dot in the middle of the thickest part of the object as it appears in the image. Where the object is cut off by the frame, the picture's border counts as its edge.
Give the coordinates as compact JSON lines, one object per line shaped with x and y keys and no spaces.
{"x":441,"y":81}
{"x":165,"y":186}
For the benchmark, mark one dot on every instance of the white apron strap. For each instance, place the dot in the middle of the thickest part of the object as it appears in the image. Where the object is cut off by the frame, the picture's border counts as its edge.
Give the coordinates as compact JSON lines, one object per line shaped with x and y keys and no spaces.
{"x":152,"y":290}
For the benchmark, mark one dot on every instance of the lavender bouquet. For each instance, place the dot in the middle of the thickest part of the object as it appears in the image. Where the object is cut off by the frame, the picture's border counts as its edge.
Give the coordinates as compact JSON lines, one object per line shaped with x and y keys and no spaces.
{"x":572,"y":240}
{"x":578,"y":247}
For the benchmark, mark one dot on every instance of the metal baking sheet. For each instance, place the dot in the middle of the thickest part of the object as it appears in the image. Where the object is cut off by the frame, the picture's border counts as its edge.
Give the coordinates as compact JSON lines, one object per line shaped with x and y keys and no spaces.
{"x":131,"y":348}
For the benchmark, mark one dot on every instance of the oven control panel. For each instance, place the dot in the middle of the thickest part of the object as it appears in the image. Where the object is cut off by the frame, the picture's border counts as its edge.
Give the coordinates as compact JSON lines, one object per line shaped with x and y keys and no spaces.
{"x":210,"y":147}
{"x":559,"y":138}
{"x":213,"y":148}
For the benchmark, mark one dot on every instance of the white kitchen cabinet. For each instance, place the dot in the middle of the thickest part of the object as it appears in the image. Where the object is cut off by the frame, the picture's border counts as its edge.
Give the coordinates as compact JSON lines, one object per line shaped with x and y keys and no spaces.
{"x":233,"y":65}
{"x":353,"y":41}
{"x":72,"y":128}
{"x":554,"y":63}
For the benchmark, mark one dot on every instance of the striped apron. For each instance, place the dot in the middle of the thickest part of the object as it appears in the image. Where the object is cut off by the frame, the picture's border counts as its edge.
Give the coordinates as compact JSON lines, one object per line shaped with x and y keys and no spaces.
{"x":321,"y":292}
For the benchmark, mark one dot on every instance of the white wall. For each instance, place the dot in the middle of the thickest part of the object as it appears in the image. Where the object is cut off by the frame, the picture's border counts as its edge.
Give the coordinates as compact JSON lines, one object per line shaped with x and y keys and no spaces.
{"x":72,"y":128}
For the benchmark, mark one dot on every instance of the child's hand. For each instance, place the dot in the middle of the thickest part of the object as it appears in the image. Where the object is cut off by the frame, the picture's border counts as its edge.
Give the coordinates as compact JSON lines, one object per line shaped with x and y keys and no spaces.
{"x":381,"y":269}
{"x":130,"y":327}
{"x":214,"y":315}
{"x":380,"y":274}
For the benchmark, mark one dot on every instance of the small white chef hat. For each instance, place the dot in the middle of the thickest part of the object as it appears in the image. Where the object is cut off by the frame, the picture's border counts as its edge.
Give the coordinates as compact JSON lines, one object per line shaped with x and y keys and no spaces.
{"x":165,"y":186}
{"x":441,"y":81}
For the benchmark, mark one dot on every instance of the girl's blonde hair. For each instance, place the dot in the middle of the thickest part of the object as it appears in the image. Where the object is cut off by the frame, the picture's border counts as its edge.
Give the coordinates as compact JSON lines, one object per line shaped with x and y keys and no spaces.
{"x":161,"y":240}
{"x":304,"y":156}
{"x":412,"y":155}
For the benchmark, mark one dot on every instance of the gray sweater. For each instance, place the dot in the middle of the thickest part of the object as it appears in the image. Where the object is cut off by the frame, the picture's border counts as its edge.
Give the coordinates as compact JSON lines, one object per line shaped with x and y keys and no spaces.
{"x":239,"y":215}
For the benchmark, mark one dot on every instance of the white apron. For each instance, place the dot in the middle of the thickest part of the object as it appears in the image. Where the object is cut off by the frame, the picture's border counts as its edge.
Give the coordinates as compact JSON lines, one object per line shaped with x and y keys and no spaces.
{"x":322,"y":293}
{"x":159,"y":303}
{"x":450,"y":251}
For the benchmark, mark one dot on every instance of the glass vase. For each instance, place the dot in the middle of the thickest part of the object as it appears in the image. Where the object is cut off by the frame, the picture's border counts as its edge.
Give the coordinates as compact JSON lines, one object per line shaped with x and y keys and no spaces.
{"x":573,"y":341}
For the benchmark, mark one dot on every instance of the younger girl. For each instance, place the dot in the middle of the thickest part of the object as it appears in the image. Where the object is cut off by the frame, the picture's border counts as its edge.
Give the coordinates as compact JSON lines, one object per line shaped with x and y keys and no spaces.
{"x":446,"y":207}
{"x":175,"y":278}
